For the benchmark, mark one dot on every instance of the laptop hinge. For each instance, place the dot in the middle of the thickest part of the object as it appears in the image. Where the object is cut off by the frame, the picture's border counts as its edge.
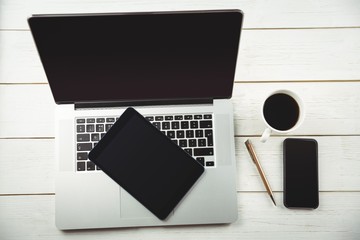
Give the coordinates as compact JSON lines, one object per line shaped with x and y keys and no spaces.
{"x":82,"y":105}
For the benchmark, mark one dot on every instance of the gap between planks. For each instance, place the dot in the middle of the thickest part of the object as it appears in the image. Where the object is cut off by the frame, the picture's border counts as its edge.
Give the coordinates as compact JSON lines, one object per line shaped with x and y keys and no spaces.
{"x":247,"y":192}
{"x":237,"y":136}
{"x":302,"y":135}
{"x":246,"y":29}
{"x":235,"y":81}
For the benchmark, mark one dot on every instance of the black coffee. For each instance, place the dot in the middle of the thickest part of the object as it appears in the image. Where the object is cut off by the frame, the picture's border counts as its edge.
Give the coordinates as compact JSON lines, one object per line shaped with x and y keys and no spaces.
{"x":281,"y":111}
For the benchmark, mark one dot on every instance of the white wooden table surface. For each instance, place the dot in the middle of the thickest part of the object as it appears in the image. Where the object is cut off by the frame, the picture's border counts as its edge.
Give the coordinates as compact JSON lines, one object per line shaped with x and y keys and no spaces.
{"x":311,"y":47}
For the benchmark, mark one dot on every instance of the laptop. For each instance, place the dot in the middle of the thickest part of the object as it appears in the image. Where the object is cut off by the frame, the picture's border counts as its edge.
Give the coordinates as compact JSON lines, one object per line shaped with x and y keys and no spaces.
{"x":177,"y":69}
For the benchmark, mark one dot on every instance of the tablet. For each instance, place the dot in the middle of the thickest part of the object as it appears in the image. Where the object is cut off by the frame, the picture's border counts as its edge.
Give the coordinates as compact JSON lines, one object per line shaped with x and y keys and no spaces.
{"x":146,"y":163}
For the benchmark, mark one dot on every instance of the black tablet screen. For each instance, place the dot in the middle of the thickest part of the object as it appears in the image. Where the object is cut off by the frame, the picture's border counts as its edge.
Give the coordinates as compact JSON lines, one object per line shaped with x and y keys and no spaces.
{"x":146,"y":163}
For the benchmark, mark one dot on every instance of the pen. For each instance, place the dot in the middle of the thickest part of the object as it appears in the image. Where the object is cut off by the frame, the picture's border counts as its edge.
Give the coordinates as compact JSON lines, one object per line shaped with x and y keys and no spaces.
{"x":259,"y":168}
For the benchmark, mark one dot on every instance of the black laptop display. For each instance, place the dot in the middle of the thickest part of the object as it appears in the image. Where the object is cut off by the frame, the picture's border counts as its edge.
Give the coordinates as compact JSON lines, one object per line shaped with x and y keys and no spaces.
{"x":88,"y":59}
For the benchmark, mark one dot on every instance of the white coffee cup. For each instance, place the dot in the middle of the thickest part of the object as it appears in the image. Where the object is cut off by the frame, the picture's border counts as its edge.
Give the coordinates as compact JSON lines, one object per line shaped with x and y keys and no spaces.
{"x":279,"y":113}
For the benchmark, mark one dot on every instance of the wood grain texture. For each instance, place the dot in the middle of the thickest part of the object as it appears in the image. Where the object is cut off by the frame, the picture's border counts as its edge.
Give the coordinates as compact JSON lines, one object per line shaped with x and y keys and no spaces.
{"x":26,"y":111}
{"x":28,"y":166}
{"x":303,"y":45}
{"x":339,"y":163}
{"x":32,"y":217}
{"x":259,"y":14}
{"x":19,"y":60}
{"x":305,"y":54}
{"x":331,"y":108}
{"x":302,"y":54}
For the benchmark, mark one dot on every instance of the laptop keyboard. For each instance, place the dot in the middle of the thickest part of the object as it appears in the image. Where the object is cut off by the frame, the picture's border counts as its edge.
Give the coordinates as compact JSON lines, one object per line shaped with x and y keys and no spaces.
{"x":192,"y":132}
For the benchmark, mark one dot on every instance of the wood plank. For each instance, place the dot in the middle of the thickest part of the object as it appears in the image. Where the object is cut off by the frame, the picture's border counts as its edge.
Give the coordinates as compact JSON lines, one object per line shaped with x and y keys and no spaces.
{"x":26,"y":111}
{"x":28,"y":166}
{"x":19,"y":59}
{"x":331,"y":108}
{"x":258,"y":14}
{"x":32,"y":217}
{"x":338,"y":159}
{"x":271,"y":55}
{"x":308,"y":54}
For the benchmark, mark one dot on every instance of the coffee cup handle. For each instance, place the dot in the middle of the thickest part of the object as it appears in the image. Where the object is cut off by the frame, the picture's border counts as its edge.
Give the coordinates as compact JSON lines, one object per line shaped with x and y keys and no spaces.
{"x":265,"y":135}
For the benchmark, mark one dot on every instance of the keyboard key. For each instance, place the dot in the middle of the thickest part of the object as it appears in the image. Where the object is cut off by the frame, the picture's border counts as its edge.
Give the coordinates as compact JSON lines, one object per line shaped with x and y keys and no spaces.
{"x":97,"y":168}
{"x":198,"y":117}
{"x":199,"y":133}
{"x":90,"y":166}
{"x":90,"y":128}
{"x":84,"y":146}
{"x":80,"y":128}
{"x":81,"y":120}
{"x":202,"y":142}
{"x":194,"y":124}
{"x":175,"y":125}
{"x":168,"y":118}
{"x":175,"y":141}
{"x":189,"y":151}
{"x":210,"y":142}
{"x":183,"y":143}
{"x":108,"y":126}
{"x":82,"y":156}
{"x":208,"y":133}
{"x":180,"y":134}
{"x":159,"y":118}
{"x":165,"y":125}
{"x":149,"y":118}
{"x":192,"y":142}
{"x":207,"y":116}
{"x":83,"y":137}
{"x":90,"y":120}
{"x":184,"y":125}
{"x":100,"y":120}
{"x":206,"y":124}
{"x":210,"y":164}
{"x":209,"y":136}
{"x":189,"y":133}
{"x":201,"y":160}
{"x":81,"y":166}
{"x":170,"y":134}
{"x":188,"y":117}
{"x":110,"y":120}
{"x":157,"y":125}
{"x":100,"y":128}
{"x":178,"y":117}
{"x":102,"y":135}
{"x":203,"y":151}
{"x":95,"y":137}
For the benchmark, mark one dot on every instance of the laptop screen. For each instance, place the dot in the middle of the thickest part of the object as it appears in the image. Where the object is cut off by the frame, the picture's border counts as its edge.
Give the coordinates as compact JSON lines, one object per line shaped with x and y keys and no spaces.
{"x":139,"y":56}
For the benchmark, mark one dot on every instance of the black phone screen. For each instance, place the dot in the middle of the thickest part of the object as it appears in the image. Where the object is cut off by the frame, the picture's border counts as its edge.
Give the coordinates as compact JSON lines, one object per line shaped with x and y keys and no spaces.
{"x":301,"y":187}
{"x":146,"y":163}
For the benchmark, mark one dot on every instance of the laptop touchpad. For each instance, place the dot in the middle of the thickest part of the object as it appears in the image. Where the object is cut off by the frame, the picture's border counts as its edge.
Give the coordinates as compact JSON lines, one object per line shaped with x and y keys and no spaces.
{"x":131,"y":208}
{"x":86,"y":200}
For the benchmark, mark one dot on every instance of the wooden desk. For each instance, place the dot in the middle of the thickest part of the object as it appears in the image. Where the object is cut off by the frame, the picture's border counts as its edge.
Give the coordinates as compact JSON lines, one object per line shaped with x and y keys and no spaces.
{"x":310,"y":47}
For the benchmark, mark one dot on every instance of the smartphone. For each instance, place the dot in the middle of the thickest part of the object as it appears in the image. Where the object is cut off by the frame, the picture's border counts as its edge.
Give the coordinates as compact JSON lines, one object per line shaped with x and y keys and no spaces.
{"x":301,"y":181}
